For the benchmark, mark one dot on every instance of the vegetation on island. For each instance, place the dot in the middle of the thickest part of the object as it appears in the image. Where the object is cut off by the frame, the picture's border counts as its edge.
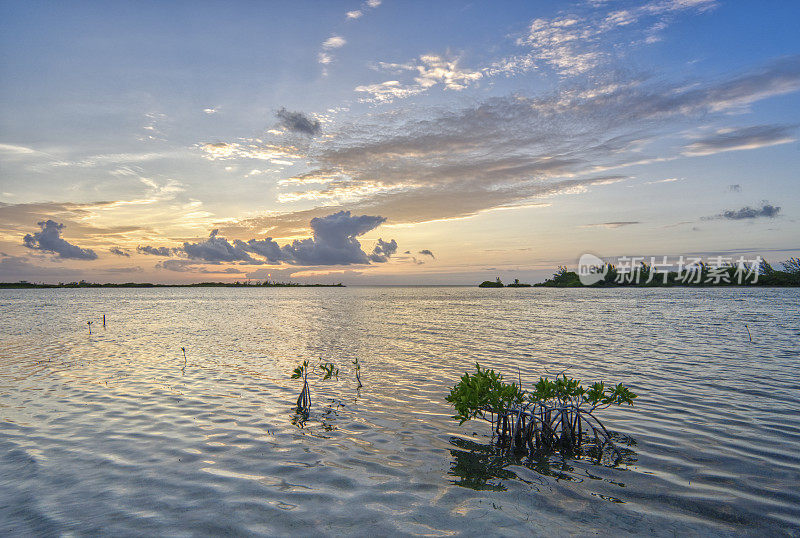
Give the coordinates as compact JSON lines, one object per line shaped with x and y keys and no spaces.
{"x":555,"y":415}
{"x":22,"y":284}
{"x":700,"y":275}
{"x":497,"y":283}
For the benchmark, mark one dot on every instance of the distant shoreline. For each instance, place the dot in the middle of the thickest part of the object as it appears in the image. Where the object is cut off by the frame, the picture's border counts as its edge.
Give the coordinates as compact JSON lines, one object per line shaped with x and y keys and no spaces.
{"x":31,"y":285}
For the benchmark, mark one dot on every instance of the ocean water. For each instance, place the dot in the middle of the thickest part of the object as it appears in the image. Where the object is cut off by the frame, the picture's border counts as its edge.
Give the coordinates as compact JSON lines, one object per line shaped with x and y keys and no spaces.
{"x":110,"y":433}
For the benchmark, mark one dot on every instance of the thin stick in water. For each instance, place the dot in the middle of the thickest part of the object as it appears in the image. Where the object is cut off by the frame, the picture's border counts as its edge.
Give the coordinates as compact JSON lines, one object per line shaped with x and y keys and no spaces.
{"x":748,"y":332}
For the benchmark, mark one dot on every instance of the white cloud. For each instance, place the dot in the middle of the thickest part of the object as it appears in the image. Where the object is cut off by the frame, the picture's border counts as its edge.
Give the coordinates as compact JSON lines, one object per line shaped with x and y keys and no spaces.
{"x":432,"y":70}
{"x":573,"y":44}
{"x":16,"y":150}
{"x":333,"y":42}
{"x":388,"y":91}
{"x":354,"y":14}
{"x":266,"y":152}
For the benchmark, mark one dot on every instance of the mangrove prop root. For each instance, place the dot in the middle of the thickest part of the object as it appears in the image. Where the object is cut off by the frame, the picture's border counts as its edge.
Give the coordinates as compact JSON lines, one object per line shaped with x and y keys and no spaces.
{"x":538,"y":428}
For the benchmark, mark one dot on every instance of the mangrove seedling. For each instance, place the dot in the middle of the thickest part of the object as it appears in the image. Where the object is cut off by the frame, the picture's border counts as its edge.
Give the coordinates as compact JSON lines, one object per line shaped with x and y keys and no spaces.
{"x":183,"y":370}
{"x":357,"y":367}
{"x":89,"y":323}
{"x":328,"y":370}
{"x":554,"y":415}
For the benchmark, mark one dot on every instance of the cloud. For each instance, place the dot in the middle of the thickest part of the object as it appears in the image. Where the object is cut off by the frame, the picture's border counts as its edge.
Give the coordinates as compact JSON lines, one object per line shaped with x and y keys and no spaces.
{"x":432,"y":70}
{"x":577,"y":43}
{"x":226,"y":270}
{"x":16,"y":268}
{"x":13,"y":149}
{"x":115,"y":270}
{"x":178,"y":266}
{"x":80,"y":218}
{"x":615,"y":224}
{"x":212,"y":110}
{"x":157,"y":251}
{"x":388,"y":91}
{"x":298,"y":122}
{"x":49,"y":240}
{"x":572,"y":45}
{"x":735,"y":188}
{"x":267,"y":248}
{"x":426,"y":252}
{"x":333,"y":42}
{"x":334,"y":240}
{"x":251,"y":149}
{"x":757,"y":136}
{"x":216,"y":249}
{"x":383,"y":251}
{"x":507,"y":152}
{"x":766,"y":210}
{"x":119,"y":252}
{"x":355,"y":14}
{"x":666,"y":180}
{"x":373,"y":3}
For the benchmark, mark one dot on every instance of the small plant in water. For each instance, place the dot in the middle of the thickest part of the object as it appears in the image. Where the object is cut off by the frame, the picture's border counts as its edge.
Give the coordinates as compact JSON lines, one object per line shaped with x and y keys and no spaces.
{"x":357,"y":367}
{"x":328,"y":370}
{"x":555,"y":415}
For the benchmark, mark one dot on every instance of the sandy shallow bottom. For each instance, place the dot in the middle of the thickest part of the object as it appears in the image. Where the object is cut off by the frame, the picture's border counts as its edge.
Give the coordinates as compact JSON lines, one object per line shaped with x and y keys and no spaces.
{"x":110,"y":434}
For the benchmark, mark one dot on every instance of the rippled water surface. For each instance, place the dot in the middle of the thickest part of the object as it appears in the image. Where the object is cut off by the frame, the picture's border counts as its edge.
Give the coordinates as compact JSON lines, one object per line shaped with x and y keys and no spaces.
{"x":109,"y":433}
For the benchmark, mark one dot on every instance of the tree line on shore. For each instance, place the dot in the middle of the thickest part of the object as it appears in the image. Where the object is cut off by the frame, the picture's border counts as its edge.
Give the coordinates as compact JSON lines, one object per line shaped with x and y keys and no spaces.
{"x":700,"y":275}
{"x":247,"y":284}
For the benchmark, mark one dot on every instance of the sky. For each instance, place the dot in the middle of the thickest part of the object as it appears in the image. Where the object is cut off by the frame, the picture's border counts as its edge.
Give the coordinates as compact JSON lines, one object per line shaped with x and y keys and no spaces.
{"x":392,"y":142}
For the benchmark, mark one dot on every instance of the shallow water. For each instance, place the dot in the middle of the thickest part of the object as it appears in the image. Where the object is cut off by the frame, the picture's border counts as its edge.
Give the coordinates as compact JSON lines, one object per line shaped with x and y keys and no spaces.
{"x":109,"y":433}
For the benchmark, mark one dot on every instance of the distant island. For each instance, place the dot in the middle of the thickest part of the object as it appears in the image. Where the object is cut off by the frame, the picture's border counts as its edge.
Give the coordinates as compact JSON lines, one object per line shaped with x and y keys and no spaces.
{"x":499,"y":284}
{"x":701,"y":275}
{"x":644,"y":275}
{"x":83,"y":284}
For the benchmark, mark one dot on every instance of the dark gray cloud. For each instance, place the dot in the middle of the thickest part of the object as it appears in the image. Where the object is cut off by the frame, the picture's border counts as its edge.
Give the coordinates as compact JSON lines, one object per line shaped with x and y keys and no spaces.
{"x":735,"y":188}
{"x":426,"y":252}
{"x":49,"y":240}
{"x":119,"y":252}
{"x":383,"y":251}
{"x":333,"y":240}
{"x":766,"y":210}
{"x":179,"y":266}
{"x":157,"y":251}
{"x":298,"y":122}
{"x":427,"y":164}
{"x":267,"y":248}
{"x":217,"y":249}
{"x":757,"y":136}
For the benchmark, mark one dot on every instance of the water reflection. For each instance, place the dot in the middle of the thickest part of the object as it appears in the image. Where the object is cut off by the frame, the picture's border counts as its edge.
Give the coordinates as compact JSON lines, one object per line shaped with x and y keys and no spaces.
{"x":484,"y":465}
{"x":480,"y":466}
